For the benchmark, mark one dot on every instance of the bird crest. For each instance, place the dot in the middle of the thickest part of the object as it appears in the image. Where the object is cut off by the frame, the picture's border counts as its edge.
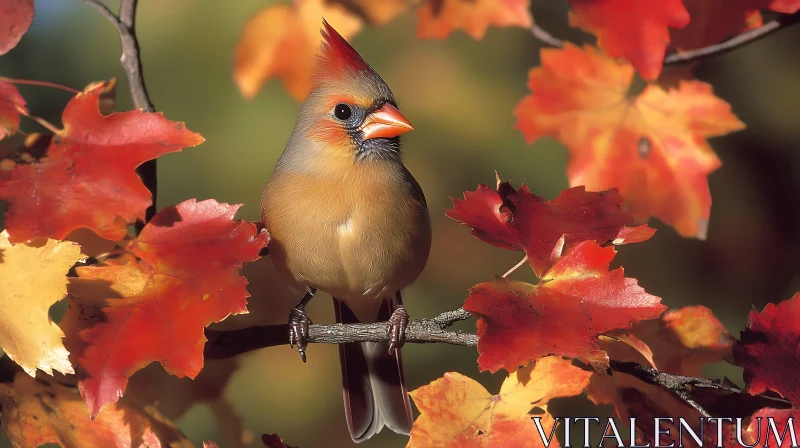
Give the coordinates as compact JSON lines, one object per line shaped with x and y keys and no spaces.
{"x":338,"y":58}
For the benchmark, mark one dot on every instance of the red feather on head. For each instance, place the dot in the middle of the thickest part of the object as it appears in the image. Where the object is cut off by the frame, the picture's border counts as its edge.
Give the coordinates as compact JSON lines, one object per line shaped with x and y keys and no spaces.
{"x":338,"y":57}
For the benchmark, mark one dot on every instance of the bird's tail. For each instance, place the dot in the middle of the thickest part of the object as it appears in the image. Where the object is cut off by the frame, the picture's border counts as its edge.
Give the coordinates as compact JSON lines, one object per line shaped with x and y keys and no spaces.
{"x":374,"y":393}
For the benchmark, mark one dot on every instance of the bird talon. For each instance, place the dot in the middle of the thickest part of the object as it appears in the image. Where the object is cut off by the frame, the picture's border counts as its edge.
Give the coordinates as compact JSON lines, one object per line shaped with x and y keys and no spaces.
{"x":397,"y":329}
{"x":298,"y":330}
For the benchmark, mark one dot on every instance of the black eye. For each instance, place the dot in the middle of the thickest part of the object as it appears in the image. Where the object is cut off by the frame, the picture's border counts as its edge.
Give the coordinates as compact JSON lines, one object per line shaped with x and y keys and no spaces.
{"x":342,"y":112}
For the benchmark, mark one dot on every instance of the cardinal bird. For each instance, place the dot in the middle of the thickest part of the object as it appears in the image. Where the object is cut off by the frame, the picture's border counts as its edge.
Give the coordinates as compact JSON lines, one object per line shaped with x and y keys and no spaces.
{"x":346,"y":217}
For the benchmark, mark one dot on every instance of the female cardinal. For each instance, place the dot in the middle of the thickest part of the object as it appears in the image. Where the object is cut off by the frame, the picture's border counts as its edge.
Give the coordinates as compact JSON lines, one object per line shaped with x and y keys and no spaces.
{"x":346,"y":217}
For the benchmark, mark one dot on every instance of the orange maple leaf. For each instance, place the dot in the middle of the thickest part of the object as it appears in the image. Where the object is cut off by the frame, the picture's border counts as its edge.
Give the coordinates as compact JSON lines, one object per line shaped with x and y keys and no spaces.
{"x":184,"y":277}
{"x":12,"y":105}
{"x":16,"y":17}
{"x":520,"y":220}
{"x":437,"y":19}
{"x":456,"y":411}
{"x":632,"y":29}
{"x":650,"y":146}
{"x":88,"y":178}
{"x":682,"y":342}
{"x":282,"y":41}
{"x":577,"y":300}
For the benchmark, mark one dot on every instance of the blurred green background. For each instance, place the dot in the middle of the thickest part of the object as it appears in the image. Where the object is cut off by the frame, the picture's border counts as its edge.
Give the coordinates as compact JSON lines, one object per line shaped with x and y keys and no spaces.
{"x":460,"y":95}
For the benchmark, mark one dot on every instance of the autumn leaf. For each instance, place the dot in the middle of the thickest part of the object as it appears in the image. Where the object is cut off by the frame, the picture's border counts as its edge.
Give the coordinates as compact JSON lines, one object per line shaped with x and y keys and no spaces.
{"x":456,"y":411}
{"x":11,"y":107}
{"x":769,"y":350}
{"x":32,"y":278}
{"x":761,"y":432}
{"x":16,"y":17}
{"x":88,"y":177}
{"x":632,"y":29}
{"x":650,"y":146}
{"x":437,"y":19}
{"x":37,"y":412}
{"x":520,"y":220}
{"x":686,"y":339}
{"x":184,"y":276}
{"x":682,"y":341}
{"x":282,"y":41}
{"x":577,"y":300}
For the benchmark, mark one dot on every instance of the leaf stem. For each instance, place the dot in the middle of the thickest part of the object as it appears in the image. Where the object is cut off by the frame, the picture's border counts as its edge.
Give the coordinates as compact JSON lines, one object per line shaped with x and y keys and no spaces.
{"x":32,"y":82}
{"x":516,"y":266}
{"x":45,"y":124}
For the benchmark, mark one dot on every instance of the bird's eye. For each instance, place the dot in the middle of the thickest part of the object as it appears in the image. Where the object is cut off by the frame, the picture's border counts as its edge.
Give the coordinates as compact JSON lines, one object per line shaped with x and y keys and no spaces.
{"x":342,"y":112}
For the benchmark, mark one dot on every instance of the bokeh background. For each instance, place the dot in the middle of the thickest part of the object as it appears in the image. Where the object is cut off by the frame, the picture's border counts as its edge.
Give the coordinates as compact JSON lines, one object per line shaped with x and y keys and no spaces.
{"x":460,"y":95}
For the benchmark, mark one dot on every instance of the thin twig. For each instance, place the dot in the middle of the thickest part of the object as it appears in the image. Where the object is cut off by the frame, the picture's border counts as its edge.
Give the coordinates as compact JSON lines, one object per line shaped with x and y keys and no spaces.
{"x":733,"y":43}
{"x":545,"y":37}
{"x":685,"y":57}
{"x":131,"y":62}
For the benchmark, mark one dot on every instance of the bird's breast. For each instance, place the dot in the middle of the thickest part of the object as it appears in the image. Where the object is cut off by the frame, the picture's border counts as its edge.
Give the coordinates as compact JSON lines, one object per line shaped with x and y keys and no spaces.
{"x":361,"y":235}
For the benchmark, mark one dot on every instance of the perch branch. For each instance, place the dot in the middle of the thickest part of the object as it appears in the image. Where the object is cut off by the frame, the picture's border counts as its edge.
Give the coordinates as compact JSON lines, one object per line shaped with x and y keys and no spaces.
{"x":685,"y":57}
{"x":225,"y":344}
{"x":131,"y":62}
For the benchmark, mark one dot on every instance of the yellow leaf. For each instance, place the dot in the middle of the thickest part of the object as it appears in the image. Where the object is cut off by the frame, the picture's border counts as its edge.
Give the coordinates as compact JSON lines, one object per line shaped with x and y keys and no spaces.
{"x":456,"y":411}
{"x":33,"y":278}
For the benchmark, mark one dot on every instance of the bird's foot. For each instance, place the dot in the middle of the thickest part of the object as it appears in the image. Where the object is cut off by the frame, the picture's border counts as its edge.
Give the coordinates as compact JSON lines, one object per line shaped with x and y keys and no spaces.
{"x":298,"y":329}
{"x":397,"y":329}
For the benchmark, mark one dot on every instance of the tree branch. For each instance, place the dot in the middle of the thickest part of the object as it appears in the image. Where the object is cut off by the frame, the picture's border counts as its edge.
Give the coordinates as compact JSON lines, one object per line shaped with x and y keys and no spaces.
{"x":131,"y":62}
{"x":685,"y":57}
{"x":225,"y":344}
{"x":736,"y":42}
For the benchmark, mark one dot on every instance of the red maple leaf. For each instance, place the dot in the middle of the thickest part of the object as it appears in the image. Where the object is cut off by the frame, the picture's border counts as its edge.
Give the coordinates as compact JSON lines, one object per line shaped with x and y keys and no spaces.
{"x":769,"y":352}
{"x":577,"y":300}
{"x":12,"y":105}
{"x":520,"y":220}
{"x":767,"y":422}
{"x":16,"y":17}
{"x":632,"y":29}
{"x":88,"y":177}
{"x":180,"y":275}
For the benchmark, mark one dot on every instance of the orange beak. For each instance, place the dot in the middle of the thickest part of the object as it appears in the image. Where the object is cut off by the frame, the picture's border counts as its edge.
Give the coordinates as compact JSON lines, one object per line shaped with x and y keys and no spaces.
{"x":386,"y":122}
